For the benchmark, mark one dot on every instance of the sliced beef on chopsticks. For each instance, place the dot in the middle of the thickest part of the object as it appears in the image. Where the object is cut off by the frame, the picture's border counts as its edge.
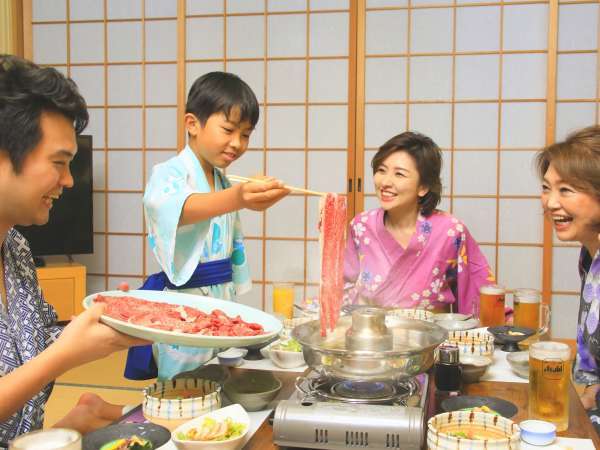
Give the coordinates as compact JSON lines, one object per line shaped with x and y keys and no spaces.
{"x":332,"y":240}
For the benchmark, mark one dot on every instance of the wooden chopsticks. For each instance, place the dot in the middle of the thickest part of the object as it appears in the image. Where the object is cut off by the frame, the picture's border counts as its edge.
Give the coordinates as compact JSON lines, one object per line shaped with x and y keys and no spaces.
{"x":291,"y":188}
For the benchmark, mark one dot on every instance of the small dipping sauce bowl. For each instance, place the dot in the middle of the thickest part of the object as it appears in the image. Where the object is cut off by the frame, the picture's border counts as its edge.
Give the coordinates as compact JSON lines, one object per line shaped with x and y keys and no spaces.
{"x":538,"y":432}
{"x":232,"y":357}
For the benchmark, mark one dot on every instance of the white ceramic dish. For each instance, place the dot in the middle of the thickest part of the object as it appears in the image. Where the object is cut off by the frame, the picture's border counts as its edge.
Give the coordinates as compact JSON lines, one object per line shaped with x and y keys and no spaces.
{"x":519,"y":363}
{"x":271,"y":325}
{"x":232,"y":357}
{"x":474,"y":367}
{"x":235,"y":412}
{"x":285,"y":359}
{"x":538,"y":432}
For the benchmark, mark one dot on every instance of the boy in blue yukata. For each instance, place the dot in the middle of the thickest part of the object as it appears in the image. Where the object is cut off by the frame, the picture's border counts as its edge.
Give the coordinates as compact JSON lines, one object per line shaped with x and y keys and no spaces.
{"x":191,"y":212}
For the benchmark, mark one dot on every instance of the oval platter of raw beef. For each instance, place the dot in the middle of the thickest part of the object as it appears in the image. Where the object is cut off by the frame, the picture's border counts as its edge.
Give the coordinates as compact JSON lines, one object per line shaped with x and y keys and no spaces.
{"x":184,"y":319}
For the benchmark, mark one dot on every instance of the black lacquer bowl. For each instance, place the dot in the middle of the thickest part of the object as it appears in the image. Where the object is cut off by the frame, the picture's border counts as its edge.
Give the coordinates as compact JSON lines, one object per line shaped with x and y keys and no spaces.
{"x":510,"y":336}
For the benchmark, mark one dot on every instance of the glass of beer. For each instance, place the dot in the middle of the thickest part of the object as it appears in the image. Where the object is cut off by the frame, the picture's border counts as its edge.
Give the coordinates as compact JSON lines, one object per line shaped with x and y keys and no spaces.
{"x":51,"y":439}
{"x":549,"y":378}
{"x":283,"y":300}
{"x":530,"y":312}
{"x":491,"y":305}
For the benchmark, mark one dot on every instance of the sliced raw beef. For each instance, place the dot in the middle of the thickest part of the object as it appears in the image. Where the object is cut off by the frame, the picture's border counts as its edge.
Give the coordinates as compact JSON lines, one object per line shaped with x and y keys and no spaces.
{"x":332,"y":240}
{"x":183,"y":319}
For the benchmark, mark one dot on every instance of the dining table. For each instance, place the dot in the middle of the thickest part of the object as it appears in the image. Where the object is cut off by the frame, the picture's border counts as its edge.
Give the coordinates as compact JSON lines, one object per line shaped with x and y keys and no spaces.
{"x":517,"y":393}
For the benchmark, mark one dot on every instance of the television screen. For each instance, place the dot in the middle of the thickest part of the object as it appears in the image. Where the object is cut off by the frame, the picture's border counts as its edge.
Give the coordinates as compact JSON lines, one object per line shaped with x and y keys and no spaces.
{"x":70,"y":228}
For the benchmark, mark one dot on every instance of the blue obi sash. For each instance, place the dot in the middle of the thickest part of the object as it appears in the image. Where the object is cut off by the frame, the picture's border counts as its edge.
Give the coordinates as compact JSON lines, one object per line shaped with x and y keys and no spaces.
{"x":140,"y":363}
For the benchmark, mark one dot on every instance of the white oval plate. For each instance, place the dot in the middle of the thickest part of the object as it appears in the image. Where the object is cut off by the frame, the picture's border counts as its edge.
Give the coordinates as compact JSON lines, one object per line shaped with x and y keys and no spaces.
{"x":237,"y":414}
{"x":271,"y":325}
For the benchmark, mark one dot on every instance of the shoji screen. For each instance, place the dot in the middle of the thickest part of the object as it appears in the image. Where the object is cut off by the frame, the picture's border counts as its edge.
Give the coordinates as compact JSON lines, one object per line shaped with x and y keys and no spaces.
{"x":471,"y":75}
{"x":294,"y":54}
{"x":577,"y":105}
{"x":122,"y":54}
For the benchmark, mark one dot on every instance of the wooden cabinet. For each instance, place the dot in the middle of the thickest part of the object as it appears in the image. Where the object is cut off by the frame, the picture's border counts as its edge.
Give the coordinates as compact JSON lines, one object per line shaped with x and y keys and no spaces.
{"x":63,"y":286}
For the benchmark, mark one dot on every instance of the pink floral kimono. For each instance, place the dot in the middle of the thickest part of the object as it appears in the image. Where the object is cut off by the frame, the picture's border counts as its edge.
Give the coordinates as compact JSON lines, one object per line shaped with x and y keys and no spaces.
{"x":442,"y":264}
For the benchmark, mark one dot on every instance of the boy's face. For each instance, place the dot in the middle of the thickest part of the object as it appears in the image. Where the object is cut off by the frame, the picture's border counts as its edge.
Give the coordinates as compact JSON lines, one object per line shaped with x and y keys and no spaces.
{"x":221,"y":140}
{"x":27,"y":197}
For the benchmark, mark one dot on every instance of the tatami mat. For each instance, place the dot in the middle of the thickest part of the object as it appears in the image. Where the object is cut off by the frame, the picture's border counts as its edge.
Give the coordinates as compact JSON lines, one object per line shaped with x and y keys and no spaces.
{"x":64,"y":398}
{"x":104,"y":372}
{"x":103,"y":377}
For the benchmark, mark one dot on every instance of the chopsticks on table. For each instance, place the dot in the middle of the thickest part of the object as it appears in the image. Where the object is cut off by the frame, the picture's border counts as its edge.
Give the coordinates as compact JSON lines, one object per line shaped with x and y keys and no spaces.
{"x":291,"y":188}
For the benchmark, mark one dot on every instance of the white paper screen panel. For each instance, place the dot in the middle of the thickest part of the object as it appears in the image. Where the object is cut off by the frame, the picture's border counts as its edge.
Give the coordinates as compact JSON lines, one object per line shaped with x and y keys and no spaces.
{"x":123,"y":56}
{"x":577,"y":84}
{"x":296,"y":61}
{"x":459,"y":74}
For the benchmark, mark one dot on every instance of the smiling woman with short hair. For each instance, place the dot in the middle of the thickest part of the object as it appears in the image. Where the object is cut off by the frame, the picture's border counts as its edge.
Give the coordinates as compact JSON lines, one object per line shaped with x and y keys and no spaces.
{"x":570,"y":171}
{"x":407,"y":253}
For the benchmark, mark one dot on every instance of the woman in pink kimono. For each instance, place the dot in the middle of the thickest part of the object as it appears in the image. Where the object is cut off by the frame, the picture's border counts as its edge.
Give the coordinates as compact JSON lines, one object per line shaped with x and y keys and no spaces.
{"x":407,"y":253}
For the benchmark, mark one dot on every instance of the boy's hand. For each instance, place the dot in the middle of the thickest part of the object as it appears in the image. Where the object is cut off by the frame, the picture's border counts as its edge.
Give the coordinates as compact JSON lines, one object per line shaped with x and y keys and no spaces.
{"x":259,"y":195}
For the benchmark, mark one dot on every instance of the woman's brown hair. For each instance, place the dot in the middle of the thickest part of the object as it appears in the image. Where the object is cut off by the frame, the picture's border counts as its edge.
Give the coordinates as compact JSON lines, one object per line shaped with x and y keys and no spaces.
{"x":428,"y":160}
{"x":576,"y":160}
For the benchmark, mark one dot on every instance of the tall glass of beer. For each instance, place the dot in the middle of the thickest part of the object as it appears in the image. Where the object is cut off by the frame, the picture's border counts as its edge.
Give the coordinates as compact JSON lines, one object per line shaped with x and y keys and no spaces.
{"x":529,"y":311}
{"x":549,"y":378}
{"x":491,"y":305}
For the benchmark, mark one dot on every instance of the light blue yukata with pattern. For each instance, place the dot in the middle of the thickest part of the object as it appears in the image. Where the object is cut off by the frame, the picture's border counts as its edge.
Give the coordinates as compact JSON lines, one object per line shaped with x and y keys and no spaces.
{"x":179,"y":249}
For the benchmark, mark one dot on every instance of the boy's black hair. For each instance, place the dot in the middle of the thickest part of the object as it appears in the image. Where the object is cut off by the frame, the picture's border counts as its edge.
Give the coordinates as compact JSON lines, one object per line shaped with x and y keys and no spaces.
{"x":217,"y":92}
{"x":27,"y":90}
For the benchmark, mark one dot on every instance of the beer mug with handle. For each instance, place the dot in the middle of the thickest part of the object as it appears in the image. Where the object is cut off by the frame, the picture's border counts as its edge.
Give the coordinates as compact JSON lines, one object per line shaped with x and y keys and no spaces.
{"x":529,"y":311}
{"x":549,"y":379}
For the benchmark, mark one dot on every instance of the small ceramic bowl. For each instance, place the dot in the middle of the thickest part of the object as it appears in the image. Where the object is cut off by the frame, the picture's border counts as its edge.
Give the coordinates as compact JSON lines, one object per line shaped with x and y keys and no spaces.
{"x":519,"y":363}
{"x":232,"y":357}
{"x":254,"y":389}
{"x":235,"y":412}
{"x":412,"y":313}
{"x":499,"y":432}
{"x":538,"y":432}
{"x":172,"y":402}
{"x":474,"y":367}
{"x":473,"y":342}
{"x":285,"y":359}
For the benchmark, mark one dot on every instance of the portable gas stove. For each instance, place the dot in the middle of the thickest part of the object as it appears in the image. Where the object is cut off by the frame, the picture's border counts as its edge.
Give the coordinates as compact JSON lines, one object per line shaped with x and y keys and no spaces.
{"x":368,"y":387}
{"x":328,"y":413}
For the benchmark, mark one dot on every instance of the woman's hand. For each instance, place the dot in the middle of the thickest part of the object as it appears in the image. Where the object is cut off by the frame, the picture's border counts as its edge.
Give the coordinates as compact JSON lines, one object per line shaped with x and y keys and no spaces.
{"x":588,"y":398}
{"x":260,"y":195}
{"x":85,"y":339}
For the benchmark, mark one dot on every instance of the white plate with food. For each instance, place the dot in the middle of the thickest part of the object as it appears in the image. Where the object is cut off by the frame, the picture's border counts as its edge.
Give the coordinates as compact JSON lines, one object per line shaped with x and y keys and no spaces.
{"x":185,"y":319}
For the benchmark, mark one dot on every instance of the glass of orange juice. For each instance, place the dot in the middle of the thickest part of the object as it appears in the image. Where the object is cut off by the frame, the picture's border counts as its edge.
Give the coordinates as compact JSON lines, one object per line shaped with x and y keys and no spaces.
{"x":283,"y":300}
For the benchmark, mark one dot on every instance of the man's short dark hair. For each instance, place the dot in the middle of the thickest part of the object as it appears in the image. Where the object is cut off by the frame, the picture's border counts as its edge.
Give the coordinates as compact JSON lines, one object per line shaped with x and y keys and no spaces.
{"x":219,"y":92}
{"x":27,"y":90}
